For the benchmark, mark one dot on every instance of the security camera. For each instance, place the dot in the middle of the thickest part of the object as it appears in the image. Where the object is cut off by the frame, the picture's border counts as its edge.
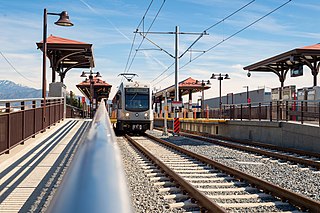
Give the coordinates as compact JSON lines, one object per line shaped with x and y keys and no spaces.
{"x":249,"y":74}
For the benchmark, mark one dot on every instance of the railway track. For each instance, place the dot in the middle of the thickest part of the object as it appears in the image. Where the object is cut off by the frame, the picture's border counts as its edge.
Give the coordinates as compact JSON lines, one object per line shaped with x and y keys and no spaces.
{"x":308,"y":159}
{"x":213,"y":186}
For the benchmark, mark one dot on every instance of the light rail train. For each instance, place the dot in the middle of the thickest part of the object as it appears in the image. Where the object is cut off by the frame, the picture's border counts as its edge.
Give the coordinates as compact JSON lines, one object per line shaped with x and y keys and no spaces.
{"x":132,"y":108}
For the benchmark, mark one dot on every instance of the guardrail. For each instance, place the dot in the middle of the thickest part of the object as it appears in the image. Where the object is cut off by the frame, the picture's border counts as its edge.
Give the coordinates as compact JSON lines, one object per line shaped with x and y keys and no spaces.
{"x":301,"y":111}
{"x":95,"y":181}
{"x":293,"y":110}
{"x":21,"y":119}
{"x":75,"y":112}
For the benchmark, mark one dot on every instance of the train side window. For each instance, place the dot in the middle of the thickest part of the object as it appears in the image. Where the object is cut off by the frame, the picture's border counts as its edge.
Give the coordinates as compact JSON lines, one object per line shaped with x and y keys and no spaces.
{"x":118,"y":97}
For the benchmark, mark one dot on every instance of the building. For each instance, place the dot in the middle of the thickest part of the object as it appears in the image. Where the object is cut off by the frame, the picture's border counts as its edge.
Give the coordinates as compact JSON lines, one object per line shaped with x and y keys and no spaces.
{"x":256,"y":96}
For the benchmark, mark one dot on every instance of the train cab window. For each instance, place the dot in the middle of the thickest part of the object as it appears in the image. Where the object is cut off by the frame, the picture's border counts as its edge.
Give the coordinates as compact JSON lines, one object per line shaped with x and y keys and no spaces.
{"x":137,"y":99}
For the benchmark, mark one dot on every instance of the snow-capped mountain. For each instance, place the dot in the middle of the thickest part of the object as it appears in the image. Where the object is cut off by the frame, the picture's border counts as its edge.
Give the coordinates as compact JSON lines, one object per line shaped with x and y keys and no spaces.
{"x":11,"y":90}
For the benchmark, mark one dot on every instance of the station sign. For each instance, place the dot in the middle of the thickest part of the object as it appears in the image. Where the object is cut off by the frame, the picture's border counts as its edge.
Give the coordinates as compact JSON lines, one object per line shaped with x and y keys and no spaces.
{"x":296,"y":70}
{"x":176,"y":103}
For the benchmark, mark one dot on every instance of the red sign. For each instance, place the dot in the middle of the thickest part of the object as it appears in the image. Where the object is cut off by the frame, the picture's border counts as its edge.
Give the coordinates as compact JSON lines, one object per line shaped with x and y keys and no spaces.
{"x":176,"y":103}
{"x":83,"y":99}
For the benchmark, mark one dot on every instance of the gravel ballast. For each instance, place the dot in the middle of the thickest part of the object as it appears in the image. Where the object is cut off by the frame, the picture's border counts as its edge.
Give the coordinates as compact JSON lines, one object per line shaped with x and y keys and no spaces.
{"x":292,"y":177}
{"x":144,"y":195}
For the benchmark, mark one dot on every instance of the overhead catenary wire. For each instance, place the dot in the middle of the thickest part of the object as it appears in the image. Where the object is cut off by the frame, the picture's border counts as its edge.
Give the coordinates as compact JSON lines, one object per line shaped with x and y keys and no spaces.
{"x":134,"y":37}
{"x":5,"y":58}
{"x":229,"y":37}
{"x":205,"y":32}
{"x":163,"y":72}
{"x":236,"y":33}
{"x":159,"y":48}
{"x":163,"y":78}
{"x":225,"y":18}
{"x":154,"y":19}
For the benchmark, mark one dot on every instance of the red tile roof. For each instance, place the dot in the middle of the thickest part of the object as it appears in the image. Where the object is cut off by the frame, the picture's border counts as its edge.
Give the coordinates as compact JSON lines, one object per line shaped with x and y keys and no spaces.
{"x":312,"y":47}
{"x":185,"y":87}
{"x":58,"y":40}
{"x":187,"y":82}
{"x":97,"y":82}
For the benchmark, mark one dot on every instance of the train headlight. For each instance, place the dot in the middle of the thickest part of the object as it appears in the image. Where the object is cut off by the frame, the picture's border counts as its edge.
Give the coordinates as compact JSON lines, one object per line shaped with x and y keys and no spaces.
{"x":127,"y":114}
{"x":146,"y":114}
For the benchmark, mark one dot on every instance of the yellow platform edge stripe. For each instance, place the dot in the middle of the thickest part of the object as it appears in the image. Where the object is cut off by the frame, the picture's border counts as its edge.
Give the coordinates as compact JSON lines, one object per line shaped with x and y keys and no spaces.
{"x":114,"y":120}
{"x":197,"y":119}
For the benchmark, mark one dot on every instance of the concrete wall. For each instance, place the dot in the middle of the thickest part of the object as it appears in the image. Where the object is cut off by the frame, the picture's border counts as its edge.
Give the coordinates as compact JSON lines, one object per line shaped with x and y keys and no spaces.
{"x":283,"y":134}
{"x":290,"y":135}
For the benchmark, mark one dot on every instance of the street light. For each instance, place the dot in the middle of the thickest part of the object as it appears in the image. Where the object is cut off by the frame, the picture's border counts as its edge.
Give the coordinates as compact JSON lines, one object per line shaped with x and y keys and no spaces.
{"x":248,"y":98}
{"x":220,"y":78}
{"x":63,"y":21}
{"x":203,"y":83}
{"x":91,"y":87}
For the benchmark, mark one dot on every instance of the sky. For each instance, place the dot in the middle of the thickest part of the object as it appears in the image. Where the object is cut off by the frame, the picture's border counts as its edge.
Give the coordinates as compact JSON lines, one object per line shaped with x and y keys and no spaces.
{"x":110,"y":25}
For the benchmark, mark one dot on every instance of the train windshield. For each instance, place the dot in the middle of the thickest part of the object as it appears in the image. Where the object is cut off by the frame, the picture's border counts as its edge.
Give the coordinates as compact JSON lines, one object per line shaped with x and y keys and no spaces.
{"x":137,"y":99}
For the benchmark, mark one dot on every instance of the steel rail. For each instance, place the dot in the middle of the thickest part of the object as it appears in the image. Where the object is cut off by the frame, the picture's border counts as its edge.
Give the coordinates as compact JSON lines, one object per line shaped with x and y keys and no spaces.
{"x":259,"y":151}
{"x":202,"y":199}
{"x":255,"y":143}
{"x":293,"y":198}
{"x":213,"y":139}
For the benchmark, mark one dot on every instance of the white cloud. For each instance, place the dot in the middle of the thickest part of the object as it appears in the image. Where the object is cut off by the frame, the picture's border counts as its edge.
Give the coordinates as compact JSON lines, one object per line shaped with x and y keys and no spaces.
{"x":109,"y":26}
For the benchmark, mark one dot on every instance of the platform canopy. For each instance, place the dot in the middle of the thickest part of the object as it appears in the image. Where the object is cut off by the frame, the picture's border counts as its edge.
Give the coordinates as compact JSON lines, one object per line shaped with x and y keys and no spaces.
{"x":187,"y":86}
{"x":282,"y":63}
{"x":65,"y":54}
{"x":101,"y":89}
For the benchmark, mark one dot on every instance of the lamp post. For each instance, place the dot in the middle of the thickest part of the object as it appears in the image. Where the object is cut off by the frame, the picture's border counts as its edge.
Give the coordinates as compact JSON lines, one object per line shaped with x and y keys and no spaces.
{"x":91,"y":87}
{"x":203,"y":83}
{"x":220,"y":78}
{"x":248,"y":100}
{"x":63,"y":21}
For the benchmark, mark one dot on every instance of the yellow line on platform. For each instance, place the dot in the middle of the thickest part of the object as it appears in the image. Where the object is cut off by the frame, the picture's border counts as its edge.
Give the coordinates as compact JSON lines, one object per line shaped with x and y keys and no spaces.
{"x":113,"y":120}
{"x":197,"y":120}
{"x":203,"y":120}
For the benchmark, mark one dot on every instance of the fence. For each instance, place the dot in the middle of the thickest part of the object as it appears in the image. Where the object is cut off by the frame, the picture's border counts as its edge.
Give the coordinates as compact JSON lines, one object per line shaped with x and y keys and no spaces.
{"x":21,"y":119}
{"x":293,"y":110}
{"x":301,"y":111}
{"x":75,"y":112}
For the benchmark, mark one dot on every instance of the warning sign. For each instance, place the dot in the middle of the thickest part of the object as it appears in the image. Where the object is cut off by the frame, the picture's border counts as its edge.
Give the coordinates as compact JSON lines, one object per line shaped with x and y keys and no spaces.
{"x":176,"y":125}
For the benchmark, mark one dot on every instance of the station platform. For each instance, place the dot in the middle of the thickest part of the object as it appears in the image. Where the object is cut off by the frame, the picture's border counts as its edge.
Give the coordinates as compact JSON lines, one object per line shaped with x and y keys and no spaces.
{"x":30,"y":173}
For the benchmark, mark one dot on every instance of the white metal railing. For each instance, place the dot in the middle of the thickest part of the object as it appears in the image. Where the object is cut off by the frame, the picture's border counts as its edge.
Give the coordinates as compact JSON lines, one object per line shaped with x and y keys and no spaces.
{"x":95,"y":181}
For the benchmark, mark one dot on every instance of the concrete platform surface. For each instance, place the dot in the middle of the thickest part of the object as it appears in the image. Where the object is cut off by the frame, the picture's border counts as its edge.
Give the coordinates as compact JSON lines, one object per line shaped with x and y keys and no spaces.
{"x":30,"y":173}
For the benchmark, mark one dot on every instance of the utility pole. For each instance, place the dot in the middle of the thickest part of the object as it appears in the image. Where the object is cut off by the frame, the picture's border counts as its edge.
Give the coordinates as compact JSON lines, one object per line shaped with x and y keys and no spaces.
{"x":176,"y":58}
{"x":176,"y":122}
{"x":176,"y":67}
{"x":165,"y":128}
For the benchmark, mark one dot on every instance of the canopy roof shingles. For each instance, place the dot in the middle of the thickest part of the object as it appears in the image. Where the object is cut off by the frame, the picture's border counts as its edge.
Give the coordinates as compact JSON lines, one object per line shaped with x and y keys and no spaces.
{"x":186,"y":86}
{"x":282,"y":63}
{"x":101,"y":89}
{"x":65,"y":54}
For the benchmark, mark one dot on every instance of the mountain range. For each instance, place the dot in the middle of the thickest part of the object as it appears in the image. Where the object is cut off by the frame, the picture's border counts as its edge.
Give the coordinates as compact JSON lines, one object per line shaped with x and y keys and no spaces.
{"x":11,"y":90}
